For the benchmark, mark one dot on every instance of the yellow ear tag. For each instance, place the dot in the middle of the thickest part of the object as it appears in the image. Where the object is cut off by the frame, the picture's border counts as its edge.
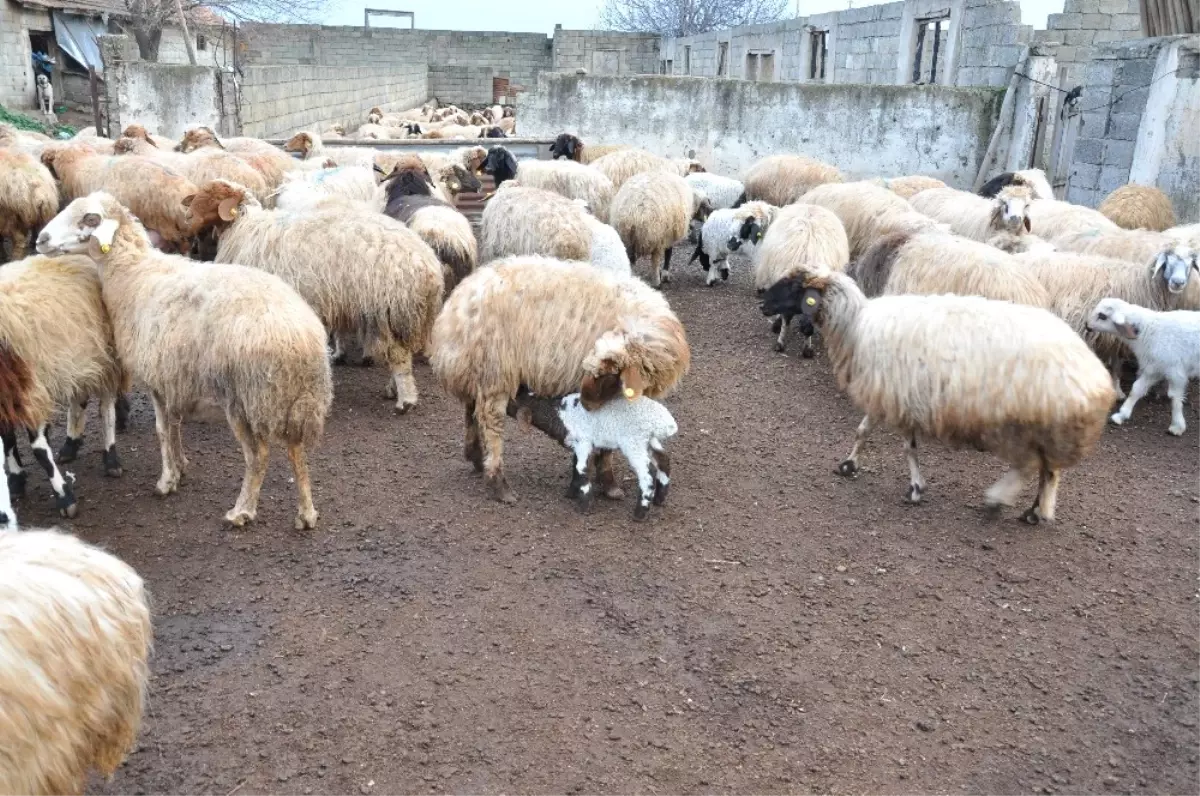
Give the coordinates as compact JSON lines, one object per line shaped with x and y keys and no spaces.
{"x":629,"y":393}
{"x":810,"y":301}
{"x":233,"y":212}
{"x":105,"y":248}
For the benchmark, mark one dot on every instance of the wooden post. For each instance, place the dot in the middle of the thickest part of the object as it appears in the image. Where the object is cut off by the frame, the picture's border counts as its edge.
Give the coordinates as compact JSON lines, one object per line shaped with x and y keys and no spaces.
{"x":94,"y":84}
{"x":1006,"y":110}
{"x":187,"y":37}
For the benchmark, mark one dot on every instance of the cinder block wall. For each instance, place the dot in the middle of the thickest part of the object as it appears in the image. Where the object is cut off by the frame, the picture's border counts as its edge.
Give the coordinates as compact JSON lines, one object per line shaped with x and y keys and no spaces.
{"x":1084,"y":27}
{"x":279,"y":100}
{"x":596,"y":50}
{"x":461,"y":85}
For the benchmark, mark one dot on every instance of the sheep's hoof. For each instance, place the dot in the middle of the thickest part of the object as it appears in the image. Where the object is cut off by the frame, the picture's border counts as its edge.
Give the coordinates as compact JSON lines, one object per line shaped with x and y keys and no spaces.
{"x":1116,"y":419}
{"x":780,"y":347}
{"x":807,"y":352}
{"x":848,"y":469}
{"x":1176,"y":431}
{"x":340,"y":359}
{"x":112,"y":465}
{"x":366,"y":362}
{"x":914,"y":493}
{"x":641,"y":511}
{"x":725,"y":274}
{"x":238,"y":518}
{"x":776,"y":325}
{"x":501,"y":493}
{"x":1032,"y":516}
{"x":70,"y":510}
{"x":305,"y":521}
{"x":403,"y":407}
{"x":69,"y":451}
{"x":164,"y":488}
{"x":16,"y":484}
{"x":660,"y":493}
{"x":583,"y":502}
{"x":710,"y":283}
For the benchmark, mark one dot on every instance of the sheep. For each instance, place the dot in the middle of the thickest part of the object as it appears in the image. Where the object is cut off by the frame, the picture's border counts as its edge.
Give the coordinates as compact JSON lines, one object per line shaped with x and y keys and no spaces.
{"x":1189,"y":233}
{"x":443,"y":228}
{"x":197,"y":334}
{"x":68,"y":356}
{"x":28,"y":142}
{"x":909,"y":186}
{"x":977,"y":218}
{"x":1034,"y":178}
{"x":303,"y":190}
{"x":519,"y":220}
{"x":360,"y":272}
{"x":798,"y":234}
{"x":1139,"y":207}
{"x":567,"y":178}
{"x":638,"y":428}
{"x":555,"y":328}
{"x":1076,"y":282}
{"x":151,"y":191}
{"x":651,"y":212}
{"x":75,"y":635}
{"x":306,"y":144}
{"x":1167,"y":346}
{"x":782,"y":179}
{"x":936,"y":262}
{"x":722,"y":192}
{"x":1020,"y":243}
{"x":1177,"y":256}
{"x":260,"y":155}
{"x":1005,"y":378}
{"x":454,"y":131}
{"x":1052,"y":219}
{"x":608,"y":251}
{"x":619,"y":166}
{"x":722,"y":234}
{"x":470,"y":158}
{"x":570,"y":147}
{"x":140,"y":132}
{"x":28,"y":199}
{"x":200,"y":166}
{"x":868,"y":212}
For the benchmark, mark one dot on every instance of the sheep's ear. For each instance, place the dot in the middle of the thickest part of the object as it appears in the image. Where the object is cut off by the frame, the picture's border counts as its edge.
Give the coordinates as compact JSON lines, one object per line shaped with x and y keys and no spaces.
{"x":1028,"y":225}
{"x":810,"y":302}
{"x":634,"y":383}
{"x":1160,"y":262}
{"x":100,"y":241}
{"x":1127,"y":329}
{"x":228,"y":209}
{"x":187,"y":200}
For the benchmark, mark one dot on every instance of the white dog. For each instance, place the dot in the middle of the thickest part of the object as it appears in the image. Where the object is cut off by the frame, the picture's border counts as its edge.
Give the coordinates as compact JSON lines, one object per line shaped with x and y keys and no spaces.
{"x":45,"y":97}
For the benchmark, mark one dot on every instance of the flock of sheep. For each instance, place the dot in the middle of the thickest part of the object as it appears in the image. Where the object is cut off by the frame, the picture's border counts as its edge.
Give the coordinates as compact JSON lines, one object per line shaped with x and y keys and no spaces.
{"x":999,"y":321}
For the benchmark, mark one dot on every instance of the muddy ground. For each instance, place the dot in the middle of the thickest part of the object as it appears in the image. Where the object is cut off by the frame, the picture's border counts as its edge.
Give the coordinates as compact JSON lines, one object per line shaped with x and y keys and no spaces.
{"x":774,"y":628}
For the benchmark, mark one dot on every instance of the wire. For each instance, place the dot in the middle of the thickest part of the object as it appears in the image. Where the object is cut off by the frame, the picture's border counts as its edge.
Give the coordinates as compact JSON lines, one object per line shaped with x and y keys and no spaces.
{"x":1113,"y":101}
{"x":1041,"y":83}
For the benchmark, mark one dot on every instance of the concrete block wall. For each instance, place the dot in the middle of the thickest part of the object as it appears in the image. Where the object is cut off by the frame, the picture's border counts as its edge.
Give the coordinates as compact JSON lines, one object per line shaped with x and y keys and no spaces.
{"x":216,"y":52}
{"x":517,"y":56}
{"x":279,"y":100}
{"x":1085,"y":25}
{"x":729,"y":124}
{"x":868,"y":44}
{"x":992,"y":40}
{"x":461,"y":85}
{"x":635,"y":53}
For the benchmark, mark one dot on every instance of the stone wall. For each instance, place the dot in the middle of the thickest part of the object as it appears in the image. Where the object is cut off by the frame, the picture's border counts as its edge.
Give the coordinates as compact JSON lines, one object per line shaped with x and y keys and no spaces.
{"x":868,"y":44}
{"x":461,"y":85}
{"x":728,"y":124}
{"x":1086,"y":25}
{"x":992,"y":39}
{"x":517,"y":56}
{"x":602,"y":52}
{"x":276,"y":101}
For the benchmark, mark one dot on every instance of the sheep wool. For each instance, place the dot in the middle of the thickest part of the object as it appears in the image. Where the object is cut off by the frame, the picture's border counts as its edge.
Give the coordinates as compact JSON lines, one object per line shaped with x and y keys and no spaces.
{"x":911,"y":185}
{"x":782,"y":179}
{"x":608,"y":251}
{"x":556,"y":328}
{"x":868,"y":212}
{"x":651,"y":212}
{"x":520,"y":220}
{"x":974,"y":217}
{"x":621,"y":164}
{"x":966,"y":370}
{"x":722,"y":192}
{"x":569,"y":179}
{"x":1139,"y":207}
{"x":1052,"y":220}
{"x":28,"y":198}
{"x":74,"y":638}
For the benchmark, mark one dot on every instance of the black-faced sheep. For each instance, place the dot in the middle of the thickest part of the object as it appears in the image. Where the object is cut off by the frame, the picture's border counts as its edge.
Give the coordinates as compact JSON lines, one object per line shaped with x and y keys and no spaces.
{"x":570,"y":147}
{"x":566,"y":178}
{"x":1005,"y":378}
{"x":196,"y":334}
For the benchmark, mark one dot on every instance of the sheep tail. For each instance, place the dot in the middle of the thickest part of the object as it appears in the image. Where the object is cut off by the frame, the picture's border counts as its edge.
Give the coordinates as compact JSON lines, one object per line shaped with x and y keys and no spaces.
{"x":305,"y":419}
{"x":16,"y":380}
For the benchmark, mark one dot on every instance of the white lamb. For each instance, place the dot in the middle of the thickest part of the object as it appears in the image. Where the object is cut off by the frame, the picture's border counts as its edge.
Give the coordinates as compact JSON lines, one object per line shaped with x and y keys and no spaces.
{"x":722,"y":192}
{"x":635,"y":425}
{"x":713,"y":250}
{"x":1167,"y":346}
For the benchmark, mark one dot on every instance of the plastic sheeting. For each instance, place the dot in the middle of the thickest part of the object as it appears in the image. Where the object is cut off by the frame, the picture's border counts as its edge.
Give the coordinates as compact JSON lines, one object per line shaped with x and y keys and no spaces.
{"x":76,"y":35}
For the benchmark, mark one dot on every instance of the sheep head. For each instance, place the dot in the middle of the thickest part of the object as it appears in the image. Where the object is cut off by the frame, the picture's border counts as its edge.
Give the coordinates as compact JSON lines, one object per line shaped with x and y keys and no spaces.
{"x":198,"y":137}
{"x":473,"y":158}
{"x":301,"y":142}
{"x":689,"y":166}
{"x":1175,"y":263}
{"x":374,"y":116}
{"x":509,"y":111}
{"x":125,"y":146}
{"x":138,"y":131}
{"x":612,"y":369}
{"x":567,"y":146}
{"x":217,"y":204}
{"x":500,"y":164}
{"x":458,"y":180}
{"x":800,"y":292}
{"x":1111,"y":315}
{"x":58,"y":158}
{"x":87,"y":225}
{"x":1010,"y":212}
{"x":478,"y":118}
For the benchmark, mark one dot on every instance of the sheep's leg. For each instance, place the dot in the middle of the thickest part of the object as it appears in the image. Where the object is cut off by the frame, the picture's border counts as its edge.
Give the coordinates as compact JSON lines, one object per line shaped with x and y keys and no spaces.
{"x":1114,"y":366}
{"x":306,"y":512}
{"x":1047,"y":496}
{"x":713,"y":270}
{"x":785,"y":326}
{"x":176,"y":431}
{"x":1136,"y":393}
{"x":609,"y":487}
{"x":8,"y":517}
{"x":472,"y":449}
{"x":490,"y":413}
{"x":76,"y":420}
{"x":61,"y":484}
{"x":580,"y":488}
{"x":1005,"y":491}
{"x":656,"y":274}
{"x":809,"y":350}
{"x":916,"y":484}
{"x":662,"y":478}
{"x":666,"y":266}
{"x":108,"y":417}
{"x":256,"y":452}
{"x":639,"y":460}
{"x":337,"y":354}
{"x":122,"y":407}
{"x":1176,"y":389}
{"x":401,"y":386}
{"x":366,"y":343}
{"x":849,"y":465}
{"x":14,"y":473}
{"x":168,"y":482}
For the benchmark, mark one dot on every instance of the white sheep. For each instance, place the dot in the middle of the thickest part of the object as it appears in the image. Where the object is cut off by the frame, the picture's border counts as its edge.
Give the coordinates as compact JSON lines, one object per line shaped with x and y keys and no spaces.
{"x":1034,"y":178}
{"x":565,"y":177}
{"x":975,"y":217}
{"x":229,"y":335}
{"x":1002,"y":377}
{"x":722,"y":192}
{"x":74,"y":638}
{"x":782,"y":179}
{"x":608,"y":252}
{"x":1167,"y":347}
{"x":520,"y":220}
{"x":636,"y":427}
{"x":868,"y":212}
{"x":651,"y":212}
{"x":730,"y":230}
{"x":304,"y":190}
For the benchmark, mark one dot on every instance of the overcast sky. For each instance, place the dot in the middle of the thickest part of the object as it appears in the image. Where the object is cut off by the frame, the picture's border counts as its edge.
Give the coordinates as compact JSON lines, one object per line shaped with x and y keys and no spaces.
{"x":538,"y":16}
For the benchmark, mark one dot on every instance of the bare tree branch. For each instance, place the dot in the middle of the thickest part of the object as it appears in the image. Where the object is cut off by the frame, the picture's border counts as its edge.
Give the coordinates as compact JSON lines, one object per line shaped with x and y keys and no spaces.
{"x":688,"y":17}
{"x":151,"y":16}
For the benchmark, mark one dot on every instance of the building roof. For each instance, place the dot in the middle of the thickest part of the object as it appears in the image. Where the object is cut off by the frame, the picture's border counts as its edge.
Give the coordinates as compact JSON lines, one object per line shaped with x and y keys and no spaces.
{"x":90,"y":7}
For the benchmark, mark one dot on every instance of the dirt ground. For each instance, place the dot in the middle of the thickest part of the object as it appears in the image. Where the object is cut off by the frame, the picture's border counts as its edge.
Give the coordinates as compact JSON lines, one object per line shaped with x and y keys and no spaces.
{"x":774,"y":628}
